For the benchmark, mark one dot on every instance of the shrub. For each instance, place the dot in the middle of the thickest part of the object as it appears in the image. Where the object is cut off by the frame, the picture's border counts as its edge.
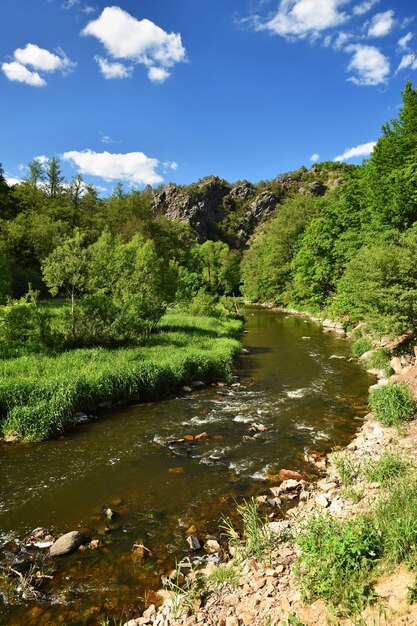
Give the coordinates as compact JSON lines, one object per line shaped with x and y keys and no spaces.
{"x":379,"y":359}
{"x":392,"y":404}
{"x":361,"y":346}
{"x":335,"y":560}
{"x":386,"y":468}
{"x":396,"y":520}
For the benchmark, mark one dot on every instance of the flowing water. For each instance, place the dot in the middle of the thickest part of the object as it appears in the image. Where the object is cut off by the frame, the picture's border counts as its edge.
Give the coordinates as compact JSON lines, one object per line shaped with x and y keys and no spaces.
{"x":307,"y":400}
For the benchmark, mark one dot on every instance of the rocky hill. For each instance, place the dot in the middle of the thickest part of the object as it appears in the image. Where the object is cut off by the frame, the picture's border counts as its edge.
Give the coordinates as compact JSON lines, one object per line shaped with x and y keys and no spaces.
{"x":230,"y":212}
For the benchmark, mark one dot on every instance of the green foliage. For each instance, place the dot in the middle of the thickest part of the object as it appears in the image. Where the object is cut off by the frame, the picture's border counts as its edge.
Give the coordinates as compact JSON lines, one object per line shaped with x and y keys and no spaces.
{"x":392,"y":404}
{"x":5,"y":274}
{"x":360,"y":346}
{"x":347,"y":469}
{"x":395,"y":518}
{"x":255,"y":540}
{"x":336,"y":559}
{"x":40,"y":393}
{"x":379,"y":359}
{"x":387,"y":468}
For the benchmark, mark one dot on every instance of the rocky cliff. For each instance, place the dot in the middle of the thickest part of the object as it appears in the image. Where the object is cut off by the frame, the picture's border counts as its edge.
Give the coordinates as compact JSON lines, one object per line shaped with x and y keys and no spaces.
{"x":217,"y":209}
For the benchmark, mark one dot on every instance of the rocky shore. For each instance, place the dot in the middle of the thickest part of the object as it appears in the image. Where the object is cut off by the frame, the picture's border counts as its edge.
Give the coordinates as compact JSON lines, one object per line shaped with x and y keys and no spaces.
{"x":265,"y":592}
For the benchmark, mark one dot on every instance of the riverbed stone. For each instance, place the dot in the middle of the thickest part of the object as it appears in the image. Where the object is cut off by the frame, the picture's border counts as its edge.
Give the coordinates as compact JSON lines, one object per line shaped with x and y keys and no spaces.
{"x":193,"y":543}
{"x":67,"y":543}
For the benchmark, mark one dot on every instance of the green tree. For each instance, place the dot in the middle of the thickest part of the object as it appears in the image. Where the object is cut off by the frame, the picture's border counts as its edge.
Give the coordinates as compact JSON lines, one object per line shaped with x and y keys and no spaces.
{"x":66,"y":269}
{"x":54,"y":178}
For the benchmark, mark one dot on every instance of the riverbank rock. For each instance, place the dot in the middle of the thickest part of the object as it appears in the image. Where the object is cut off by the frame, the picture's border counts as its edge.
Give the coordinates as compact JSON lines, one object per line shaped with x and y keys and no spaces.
{"x":67,"y":543}
{"x":193,"y":543}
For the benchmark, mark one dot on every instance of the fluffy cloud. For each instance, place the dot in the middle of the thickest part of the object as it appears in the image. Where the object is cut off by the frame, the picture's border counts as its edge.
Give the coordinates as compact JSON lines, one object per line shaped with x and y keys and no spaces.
{"x":20,"y":74}
{"x":303,"y":18}
{"x":404,"y":41}
{"x":13,"y":181}
{"x":40,"y":60}
{"x":113,"y":69}
{"x":381,"y":24}
{"x":364,"y":149}
{"x":370,"y":66}
{"x":43,"y":60}
{"x":314,"y":157}
{"x":138,"y":41}
{"x":133,"y":167}
{"x":364,"y":7}
{"x":408,"y":60}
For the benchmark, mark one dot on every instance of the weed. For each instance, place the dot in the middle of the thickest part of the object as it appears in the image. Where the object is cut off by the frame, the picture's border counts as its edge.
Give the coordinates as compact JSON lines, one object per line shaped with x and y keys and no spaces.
{"x":292,"y":620}
{"x":347,"y":469}
{"x":336,"y":560}
{"x":360,"y":346}
{"x":389,"y":466}
{"x":223,"y":577}
{"x":396,"y":520}
{"x":392,"y":404}
{"x":256,"y":541}
{"x":380,"y":360}
{"x":354,"y":495}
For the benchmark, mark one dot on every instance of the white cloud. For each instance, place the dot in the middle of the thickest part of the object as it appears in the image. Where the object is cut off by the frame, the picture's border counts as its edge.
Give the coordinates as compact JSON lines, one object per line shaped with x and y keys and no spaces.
{"x":341,"y":39}
{"x":134,"y":167}
{"x":42,"y":159}
{"x":87,"y":10}
{"x":381,"y":24}
{"x":314,"y":157}
{"x":364,"y":7}
{"x":408,"y":60}
{"x":139,"y":41}
{"x":404,"y":41}
{"x":369,"y":64}
{"x":158,"y":74}
{"x":364,"y":149}
{"x":113,"y":69}
{"x":21,"y":167}
{"x":170,"y":165}
{"x":43,"y":60}
{"x":69,"y":4}
{"x":303,"y":18}
{"x":13,"y":181}
{"x":19,"y":73}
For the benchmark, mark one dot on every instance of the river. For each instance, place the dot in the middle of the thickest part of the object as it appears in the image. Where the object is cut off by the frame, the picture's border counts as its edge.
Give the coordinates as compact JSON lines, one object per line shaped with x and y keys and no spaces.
{"x":289,"y":384}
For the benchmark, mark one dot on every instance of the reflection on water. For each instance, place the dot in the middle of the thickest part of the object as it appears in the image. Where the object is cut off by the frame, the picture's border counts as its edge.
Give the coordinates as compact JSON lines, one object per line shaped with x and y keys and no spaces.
{"x":289,"y":384}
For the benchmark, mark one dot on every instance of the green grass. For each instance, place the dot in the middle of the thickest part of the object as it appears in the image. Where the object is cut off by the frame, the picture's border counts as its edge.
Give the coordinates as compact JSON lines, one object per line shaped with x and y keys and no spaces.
{"x":336,"y":559}
{"x":39,"y":393}
{"x":360,"y":346}
{"x":388,"y":467}
{"x":380,"y":360}
{"x":392,"y":404}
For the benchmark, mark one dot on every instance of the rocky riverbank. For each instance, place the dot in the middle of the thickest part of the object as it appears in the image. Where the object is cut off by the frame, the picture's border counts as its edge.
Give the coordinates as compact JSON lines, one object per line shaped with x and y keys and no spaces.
{"x":265,"y":591}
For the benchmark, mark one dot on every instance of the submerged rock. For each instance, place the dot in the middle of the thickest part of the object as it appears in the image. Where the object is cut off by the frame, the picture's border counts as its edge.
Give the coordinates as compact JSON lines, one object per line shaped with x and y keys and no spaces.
{"x":67,"y":543}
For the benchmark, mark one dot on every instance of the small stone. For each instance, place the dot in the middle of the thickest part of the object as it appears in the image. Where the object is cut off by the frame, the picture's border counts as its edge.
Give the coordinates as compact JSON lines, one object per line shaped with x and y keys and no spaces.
{"x":244,"y":351}
{"x":198,"y":384}
{"x":66,"y":543}
{"x":212,"y":546}
{"x":258,"y":428}
{"x":322,"y":501}
{"x":285,"y":474}
{"x":201,"y":437}
{"x":193,"y":543}
{"x":186,"y":389}
{"x":192,"y":530}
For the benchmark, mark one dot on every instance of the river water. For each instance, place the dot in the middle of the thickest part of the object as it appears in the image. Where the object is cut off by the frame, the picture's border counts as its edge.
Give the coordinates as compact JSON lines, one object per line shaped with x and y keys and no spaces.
{"x":307,"y":401}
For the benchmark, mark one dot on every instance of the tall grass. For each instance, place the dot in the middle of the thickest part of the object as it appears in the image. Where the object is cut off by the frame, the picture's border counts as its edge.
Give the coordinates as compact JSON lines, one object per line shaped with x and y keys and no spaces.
{"x":392,"y":404}
{"x":39,"y":393}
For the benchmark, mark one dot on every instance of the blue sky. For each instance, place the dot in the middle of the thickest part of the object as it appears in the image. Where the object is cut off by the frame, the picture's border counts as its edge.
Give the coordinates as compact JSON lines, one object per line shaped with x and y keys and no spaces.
{"x":152,"y":91}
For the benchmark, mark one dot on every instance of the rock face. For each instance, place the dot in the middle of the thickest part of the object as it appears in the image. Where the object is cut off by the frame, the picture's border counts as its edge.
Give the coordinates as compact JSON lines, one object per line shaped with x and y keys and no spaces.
{"x":67,"y":543}
{"x":218,"y":210}
{"x":201,"y":206}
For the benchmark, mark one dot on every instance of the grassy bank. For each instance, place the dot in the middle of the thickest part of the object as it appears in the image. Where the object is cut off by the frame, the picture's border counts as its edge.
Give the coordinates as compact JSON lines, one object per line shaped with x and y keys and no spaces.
{"x":39,"y":393}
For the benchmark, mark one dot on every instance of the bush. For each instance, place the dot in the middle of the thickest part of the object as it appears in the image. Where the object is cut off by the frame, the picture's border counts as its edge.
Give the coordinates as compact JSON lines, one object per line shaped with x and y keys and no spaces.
{"x":380,"y":360}
{"x":361,"y":346}
{"x":396,"y":520}
{"x":336,"y":559}
{"x":386,"y":468}
{"x":392,"y":404}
